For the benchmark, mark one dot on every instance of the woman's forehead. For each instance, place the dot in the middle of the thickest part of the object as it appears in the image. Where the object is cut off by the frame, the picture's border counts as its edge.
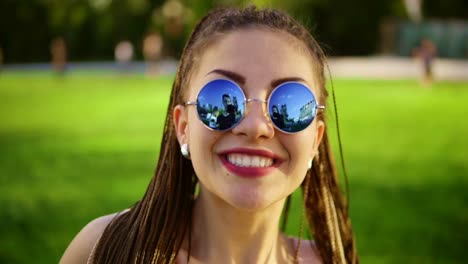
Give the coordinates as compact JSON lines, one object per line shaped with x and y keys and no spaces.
{"x":258,"y":55}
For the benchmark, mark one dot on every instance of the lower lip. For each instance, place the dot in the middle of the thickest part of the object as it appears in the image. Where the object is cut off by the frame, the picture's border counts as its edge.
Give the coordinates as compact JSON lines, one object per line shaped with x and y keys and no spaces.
{"x":247,"y":172}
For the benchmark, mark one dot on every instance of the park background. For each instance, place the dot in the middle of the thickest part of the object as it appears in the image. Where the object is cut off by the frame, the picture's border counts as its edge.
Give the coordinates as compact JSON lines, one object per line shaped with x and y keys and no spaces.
{"x":83,"y":142}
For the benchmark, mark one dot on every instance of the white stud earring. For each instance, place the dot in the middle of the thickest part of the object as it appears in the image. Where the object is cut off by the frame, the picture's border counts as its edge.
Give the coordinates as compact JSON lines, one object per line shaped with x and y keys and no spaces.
{"x":185,"y":150}
{"x":310,"y":163}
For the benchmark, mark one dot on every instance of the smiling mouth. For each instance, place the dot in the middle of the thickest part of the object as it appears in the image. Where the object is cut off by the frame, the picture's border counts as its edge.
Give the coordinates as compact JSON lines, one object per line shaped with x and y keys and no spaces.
{"x":249,"y":161}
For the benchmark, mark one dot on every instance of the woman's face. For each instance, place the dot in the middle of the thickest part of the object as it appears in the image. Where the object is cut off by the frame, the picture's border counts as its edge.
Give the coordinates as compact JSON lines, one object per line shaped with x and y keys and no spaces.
{"x":252,"y":165}
{"x":275,"y":109}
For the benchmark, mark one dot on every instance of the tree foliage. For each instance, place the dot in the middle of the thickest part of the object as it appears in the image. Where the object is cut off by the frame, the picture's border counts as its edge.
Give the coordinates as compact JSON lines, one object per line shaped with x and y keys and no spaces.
{"x":92,"y":28}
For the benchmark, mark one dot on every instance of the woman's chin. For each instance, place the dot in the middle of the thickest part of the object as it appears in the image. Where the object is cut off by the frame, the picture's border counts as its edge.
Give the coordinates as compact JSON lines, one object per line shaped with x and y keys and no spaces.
{"x":250,"y":200}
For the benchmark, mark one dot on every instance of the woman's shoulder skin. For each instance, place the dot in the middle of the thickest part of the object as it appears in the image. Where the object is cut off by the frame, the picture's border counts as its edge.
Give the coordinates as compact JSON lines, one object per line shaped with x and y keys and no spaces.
{"x":82,"y":245}
{"x":308,"y":252}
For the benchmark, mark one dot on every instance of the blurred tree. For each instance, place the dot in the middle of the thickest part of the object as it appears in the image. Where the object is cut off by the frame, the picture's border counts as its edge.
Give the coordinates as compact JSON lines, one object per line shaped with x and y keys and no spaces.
{"x":343,"y":27}
{"x":24,"y":33}
{"x":174,"y":20}
{"x":445,"y":9}
{"x":413,"y":9}
{"x":92,"y":28}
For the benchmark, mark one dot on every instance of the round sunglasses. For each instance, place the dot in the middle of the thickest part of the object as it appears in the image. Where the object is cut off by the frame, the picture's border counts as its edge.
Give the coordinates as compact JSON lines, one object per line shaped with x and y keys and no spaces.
{"x":221,"y":105}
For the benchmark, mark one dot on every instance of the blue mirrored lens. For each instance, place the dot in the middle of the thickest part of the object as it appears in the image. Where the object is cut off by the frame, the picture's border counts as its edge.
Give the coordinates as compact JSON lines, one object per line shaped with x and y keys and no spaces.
{"x":221,"y":104}
{"x":292,"y":107}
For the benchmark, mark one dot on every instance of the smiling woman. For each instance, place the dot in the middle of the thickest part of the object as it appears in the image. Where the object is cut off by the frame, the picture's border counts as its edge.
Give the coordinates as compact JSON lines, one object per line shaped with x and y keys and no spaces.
{"x":261,"y":75}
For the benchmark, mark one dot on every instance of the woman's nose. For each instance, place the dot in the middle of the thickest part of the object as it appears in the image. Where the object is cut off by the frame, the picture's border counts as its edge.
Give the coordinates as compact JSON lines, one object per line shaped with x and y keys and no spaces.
{"x":256,"y":123}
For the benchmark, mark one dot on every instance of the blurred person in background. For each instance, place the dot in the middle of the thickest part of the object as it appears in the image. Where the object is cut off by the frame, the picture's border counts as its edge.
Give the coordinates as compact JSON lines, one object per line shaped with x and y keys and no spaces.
{"x":426,"y":53}
{"x":152,"y":48}
{"x":221,"y":199}
{"x":123,"y":55}
{"x":58,"y":50}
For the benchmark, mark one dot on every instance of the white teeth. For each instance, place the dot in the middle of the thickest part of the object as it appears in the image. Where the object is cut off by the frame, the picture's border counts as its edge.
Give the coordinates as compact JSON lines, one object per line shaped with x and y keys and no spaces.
{"x":256,"y":162}
{"x":246,"y":161}
{"x":249,"y":161}
{"x":237,"y":159}
{"x":262,"y":162}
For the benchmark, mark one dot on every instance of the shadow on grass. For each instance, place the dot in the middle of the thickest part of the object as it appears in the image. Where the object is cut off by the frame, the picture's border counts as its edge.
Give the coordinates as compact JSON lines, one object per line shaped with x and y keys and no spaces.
{"x":410,"y":224}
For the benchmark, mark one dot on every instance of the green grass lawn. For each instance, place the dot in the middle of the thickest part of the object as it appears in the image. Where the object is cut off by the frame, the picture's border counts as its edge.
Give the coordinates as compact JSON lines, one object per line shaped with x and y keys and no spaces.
{"x":85,"y":145}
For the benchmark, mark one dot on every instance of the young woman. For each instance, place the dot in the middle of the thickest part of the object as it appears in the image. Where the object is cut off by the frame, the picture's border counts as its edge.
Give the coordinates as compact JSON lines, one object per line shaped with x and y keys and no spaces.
{"x":245,"y":172}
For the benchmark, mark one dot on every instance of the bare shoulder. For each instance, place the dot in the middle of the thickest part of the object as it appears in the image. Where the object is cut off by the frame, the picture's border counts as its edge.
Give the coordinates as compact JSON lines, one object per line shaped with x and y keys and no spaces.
{"x":81,"y":246}
{"x":308,"y":252}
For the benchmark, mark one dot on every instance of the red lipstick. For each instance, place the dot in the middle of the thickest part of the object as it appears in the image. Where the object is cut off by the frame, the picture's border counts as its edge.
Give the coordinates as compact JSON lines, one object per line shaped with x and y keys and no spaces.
{"x":250,"y":172}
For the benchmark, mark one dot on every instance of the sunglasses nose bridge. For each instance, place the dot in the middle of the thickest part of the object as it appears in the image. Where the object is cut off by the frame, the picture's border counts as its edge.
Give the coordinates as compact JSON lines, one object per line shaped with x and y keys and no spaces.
{"x":256,"y":122}
{"x":264,"y":114}
{"x":258,"y":100}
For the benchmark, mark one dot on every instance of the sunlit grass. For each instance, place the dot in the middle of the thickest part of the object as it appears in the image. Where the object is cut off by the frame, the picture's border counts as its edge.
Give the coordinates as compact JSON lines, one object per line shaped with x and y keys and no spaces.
{"x":85,"y":145}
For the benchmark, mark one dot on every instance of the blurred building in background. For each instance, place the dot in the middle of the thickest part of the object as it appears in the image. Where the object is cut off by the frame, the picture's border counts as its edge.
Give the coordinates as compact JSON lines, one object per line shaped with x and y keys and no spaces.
{"x":449,"y":36}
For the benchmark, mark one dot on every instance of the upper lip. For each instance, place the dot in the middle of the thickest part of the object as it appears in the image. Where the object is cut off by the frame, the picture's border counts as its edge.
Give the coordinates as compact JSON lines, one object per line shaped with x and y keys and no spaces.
{"x":252,"y":152}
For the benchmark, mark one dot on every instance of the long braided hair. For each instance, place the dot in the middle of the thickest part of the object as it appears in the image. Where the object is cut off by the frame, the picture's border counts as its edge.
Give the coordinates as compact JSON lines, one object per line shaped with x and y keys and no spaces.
{"x":153,"y":230}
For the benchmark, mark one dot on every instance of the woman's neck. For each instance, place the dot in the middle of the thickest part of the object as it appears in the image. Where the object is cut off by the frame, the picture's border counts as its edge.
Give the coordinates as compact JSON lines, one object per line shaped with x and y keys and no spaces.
{"x":222,"y":232}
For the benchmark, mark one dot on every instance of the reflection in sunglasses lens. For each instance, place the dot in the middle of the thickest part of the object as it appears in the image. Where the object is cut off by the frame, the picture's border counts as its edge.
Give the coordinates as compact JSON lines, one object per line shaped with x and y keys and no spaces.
{"x":220,"y":104}
{"x":292,"y":107}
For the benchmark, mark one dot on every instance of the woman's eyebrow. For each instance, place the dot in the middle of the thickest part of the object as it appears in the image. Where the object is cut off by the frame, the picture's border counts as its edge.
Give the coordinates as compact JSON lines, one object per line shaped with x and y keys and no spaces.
{"x":277,"y":82}
{"x":241,"y":79}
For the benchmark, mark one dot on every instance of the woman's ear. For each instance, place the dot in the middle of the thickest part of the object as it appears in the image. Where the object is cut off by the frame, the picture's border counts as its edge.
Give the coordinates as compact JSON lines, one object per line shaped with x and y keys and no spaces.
{"x":180,"y":123}
{"x":319,"y":135}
